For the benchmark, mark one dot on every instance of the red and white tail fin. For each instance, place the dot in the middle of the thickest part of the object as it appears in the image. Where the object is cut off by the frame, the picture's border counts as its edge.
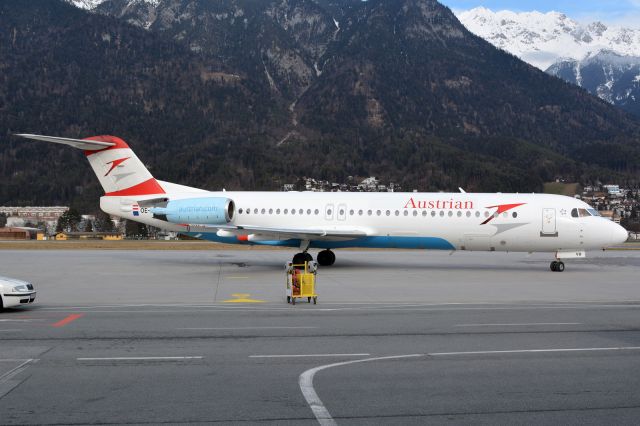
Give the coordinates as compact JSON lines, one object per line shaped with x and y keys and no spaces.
{"x":120,"y":171}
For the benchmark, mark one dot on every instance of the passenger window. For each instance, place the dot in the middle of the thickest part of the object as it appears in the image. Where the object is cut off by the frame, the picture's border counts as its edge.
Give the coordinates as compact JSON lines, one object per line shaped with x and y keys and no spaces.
{"x":286,"y":211}
{"x":270,"y":211}
{"x":255,"y":211}
{"x":369,"y":212}
{"x":341,"y":212}
{"x":262,"y":211}
{"x":359,"y":212}
{"x":406,"y":212}
{"x":378,"y":212}
{"x":574,"y":213}
{"x":301,"y":211}
{"x":441,"y":213}
{"x":351,"y":212}
{"x":415,"y":213}
{"x":293,"y":211}
{"x":309,"y":211}
{"x":424,"y":213}
{"x":388,"y":212}
{"x":450,"y":213}
{"x":459,"y":213}
{"x":477,"y":214}
{"x":468,"y":213}
{"x":316,"y":212}
{"x":486,"y":214}
{"x":397,"y":213}
{"x":277,"y":211}
{"x":515,"y":214}
{"x":433,"y":213}
{"x":240,"y":211}
{"x":329,"y":212}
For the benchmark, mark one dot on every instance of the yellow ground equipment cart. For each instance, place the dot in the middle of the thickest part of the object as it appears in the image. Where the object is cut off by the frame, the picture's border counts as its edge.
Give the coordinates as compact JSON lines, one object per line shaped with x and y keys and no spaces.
{"x":301,"y":282}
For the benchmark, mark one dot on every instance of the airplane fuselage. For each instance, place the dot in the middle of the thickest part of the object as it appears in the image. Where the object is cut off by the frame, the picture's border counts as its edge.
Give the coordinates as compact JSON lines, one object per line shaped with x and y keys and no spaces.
{"x":442,"y":221}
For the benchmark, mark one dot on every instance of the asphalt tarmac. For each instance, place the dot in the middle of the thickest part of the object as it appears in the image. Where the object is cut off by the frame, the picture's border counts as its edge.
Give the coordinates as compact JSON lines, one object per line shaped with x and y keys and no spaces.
{"x":397,"y":337}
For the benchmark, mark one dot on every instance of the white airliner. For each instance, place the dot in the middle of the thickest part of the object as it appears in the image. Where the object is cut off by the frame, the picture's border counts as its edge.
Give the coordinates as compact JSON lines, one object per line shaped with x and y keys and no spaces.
{"x":556,"y":224}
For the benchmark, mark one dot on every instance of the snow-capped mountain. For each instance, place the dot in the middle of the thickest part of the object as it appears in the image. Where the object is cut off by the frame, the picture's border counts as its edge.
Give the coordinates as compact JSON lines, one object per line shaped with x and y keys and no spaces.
{"x":605,"y":60}
{"x":543,"y":38}
{"x":612,"y":77}
{"x":92,"y":4}
{"x":85,"y":4}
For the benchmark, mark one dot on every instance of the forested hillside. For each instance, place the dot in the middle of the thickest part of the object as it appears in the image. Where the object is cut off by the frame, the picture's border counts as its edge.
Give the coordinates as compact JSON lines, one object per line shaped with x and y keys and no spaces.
{"x":250,"y":94}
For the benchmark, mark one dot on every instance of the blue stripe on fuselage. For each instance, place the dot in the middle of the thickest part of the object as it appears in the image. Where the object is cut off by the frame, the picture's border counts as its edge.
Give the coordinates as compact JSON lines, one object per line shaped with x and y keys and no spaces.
{"x":431,"y":243}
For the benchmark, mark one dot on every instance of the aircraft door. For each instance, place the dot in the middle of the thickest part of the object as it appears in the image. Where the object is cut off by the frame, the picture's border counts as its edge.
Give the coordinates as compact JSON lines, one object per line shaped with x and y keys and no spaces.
{"x":342,"y":211}
{"x":549,"y":228}
{"x":328,"y":212}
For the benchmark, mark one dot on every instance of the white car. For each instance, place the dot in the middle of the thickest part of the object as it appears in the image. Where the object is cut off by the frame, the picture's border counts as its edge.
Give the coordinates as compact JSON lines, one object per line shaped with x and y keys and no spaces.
{"x":15,"y":292}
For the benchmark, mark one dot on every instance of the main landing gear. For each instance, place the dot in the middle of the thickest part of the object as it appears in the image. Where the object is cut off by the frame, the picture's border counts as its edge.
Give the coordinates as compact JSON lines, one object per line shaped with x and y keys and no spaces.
{"x":325,"y":258}
{"x":557,"y":266}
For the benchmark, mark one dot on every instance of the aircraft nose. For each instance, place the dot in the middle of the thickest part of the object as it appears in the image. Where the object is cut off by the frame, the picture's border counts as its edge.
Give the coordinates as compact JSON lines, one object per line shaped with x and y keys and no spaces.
{"x":618,"y":234}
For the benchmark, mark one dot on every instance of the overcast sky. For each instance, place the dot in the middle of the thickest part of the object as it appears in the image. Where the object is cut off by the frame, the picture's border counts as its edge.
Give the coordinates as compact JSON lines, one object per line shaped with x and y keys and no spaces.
{"x":625,"y":12}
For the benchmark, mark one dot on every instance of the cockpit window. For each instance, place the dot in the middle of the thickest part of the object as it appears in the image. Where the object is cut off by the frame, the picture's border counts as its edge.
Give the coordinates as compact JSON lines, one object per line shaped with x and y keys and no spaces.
{"x":584,"y":212}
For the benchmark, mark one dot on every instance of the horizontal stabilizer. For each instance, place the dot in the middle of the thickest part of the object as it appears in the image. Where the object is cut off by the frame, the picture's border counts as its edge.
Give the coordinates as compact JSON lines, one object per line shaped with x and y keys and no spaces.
{"x":83,"y":144}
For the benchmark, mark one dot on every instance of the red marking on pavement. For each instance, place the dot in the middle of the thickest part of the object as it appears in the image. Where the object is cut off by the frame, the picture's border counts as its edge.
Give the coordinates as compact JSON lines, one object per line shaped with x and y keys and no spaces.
{"x":67,"y":320}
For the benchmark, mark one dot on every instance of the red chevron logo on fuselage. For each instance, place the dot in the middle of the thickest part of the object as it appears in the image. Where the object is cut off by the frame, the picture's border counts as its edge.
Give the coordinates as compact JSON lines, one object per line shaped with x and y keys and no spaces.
{"x":116,"y":163}
{"x":501,"y":209}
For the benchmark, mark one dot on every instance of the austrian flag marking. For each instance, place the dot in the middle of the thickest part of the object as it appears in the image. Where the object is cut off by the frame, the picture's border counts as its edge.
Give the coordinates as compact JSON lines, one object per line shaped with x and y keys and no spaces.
{"x":135,"y":209}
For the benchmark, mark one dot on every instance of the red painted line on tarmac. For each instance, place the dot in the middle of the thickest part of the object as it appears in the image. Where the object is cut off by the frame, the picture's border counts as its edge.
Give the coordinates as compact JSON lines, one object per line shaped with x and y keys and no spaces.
{"x":67,"y":320}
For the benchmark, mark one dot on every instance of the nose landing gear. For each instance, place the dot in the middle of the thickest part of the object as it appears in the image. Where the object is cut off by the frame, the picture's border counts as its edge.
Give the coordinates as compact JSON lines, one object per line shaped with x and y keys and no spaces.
{"x":302,"y":257}
{"x":557,"y":266}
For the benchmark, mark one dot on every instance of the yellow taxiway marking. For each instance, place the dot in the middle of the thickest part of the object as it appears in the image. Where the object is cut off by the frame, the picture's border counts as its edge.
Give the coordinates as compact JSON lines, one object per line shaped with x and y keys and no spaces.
{"x":242,"y":298}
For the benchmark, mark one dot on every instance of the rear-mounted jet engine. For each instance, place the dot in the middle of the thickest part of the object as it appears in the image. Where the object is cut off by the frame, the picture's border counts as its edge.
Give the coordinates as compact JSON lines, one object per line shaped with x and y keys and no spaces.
{"x":205,"y":211}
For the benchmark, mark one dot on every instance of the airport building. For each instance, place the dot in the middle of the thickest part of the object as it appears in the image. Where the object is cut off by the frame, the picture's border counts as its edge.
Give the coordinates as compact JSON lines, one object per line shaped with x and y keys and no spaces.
{"x":18,"y":216}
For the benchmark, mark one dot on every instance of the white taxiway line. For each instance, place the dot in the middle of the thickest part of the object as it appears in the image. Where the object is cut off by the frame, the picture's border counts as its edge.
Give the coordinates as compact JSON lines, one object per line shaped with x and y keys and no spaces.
{"x":14,"y":371}
{"x":305,"y":355}
{"x":518,"y":324}
{"x":524,"y":351}
{"x":243,"y":328}
{"x":315,"y":403}
{"x":323,"y":416}
{"x":141,"y":358}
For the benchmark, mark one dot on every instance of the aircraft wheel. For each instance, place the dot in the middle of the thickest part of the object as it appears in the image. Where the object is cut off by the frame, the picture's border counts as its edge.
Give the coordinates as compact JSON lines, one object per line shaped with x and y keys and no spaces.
{"x":560,"y":267}
{"x":288,"y":299}
{"x":299,"y":258}
{"x":326,"y":258}
{"x":553,"y":265}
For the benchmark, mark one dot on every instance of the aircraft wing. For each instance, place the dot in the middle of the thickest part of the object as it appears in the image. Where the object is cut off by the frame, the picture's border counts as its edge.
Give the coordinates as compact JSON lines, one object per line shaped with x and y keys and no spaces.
{"x":281,"y":233}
